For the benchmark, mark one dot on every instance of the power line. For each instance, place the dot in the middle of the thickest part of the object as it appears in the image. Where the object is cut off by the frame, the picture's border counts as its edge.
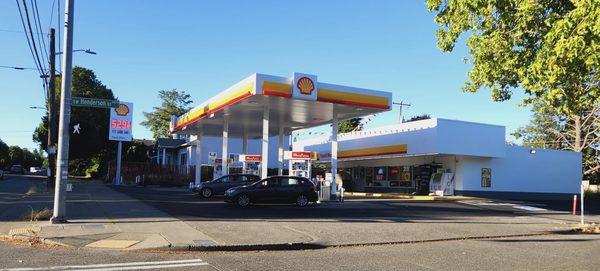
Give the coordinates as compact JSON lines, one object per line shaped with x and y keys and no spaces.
{"x":38,"y":26}
{"x":52,"y":14}
{"x":17,"y":68}
{"x":19,"y":32}
{"x":27,"y":37}
{"x":37,"y":56}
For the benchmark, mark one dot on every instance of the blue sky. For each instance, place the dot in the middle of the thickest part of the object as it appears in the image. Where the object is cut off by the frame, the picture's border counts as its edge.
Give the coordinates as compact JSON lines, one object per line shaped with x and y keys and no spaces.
{"x":203,"y":47}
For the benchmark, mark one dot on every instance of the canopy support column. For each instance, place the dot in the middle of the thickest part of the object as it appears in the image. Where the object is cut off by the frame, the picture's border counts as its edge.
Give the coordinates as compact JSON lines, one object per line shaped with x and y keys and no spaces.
{"x":265,"y":143}
{"x":225,"y":152}
{"x":334,"y":154}
{"x":198,"y":160}
{"x":280,"y":152}
{"x":245,"y":141}
{"x":164,"y":156}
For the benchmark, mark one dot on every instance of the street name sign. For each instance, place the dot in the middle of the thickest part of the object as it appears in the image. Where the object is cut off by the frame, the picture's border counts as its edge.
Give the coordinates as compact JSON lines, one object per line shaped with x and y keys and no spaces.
{"x":91,"y":102}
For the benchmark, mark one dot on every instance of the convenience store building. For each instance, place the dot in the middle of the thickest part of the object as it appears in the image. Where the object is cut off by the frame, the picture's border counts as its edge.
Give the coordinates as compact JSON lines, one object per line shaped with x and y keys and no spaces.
{"x":401,"y":158}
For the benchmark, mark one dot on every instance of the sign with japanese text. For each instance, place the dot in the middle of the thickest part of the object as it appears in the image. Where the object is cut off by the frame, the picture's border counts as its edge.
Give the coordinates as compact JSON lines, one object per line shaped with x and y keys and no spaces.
{"x":120,"y":122}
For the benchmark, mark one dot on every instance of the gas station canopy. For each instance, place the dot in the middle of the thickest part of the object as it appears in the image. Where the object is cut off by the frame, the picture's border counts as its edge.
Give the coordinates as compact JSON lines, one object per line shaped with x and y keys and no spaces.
{"x":291,"y":103}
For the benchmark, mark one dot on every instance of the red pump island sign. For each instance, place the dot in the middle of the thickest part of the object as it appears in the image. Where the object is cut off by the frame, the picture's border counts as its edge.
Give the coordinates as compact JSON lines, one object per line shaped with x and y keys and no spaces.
{"x":120,"y":122}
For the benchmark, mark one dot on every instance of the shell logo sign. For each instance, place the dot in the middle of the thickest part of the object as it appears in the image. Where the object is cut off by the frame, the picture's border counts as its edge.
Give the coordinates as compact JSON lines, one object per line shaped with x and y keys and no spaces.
{"x":122,"y":110}
{"x":306,"y":85}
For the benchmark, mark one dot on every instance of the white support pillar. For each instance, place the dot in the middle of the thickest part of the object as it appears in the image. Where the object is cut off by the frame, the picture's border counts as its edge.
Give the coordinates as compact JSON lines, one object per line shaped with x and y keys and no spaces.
{"x":334,"y":153}
{"x":245,"y":141}
{"x":198,"y":160}
{"x":225,"y":152}
{"x":164,"y":156}
{"x":265,"y":143}
{"x":280,"y":152}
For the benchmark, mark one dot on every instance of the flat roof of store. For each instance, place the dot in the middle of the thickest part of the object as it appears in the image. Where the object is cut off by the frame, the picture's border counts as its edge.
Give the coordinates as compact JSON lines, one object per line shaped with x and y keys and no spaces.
{"x":291,"y":106}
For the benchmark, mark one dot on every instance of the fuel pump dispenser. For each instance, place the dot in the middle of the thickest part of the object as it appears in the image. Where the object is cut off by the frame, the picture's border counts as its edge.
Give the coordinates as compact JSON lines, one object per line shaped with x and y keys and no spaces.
{"x":251,"y":164}
{"x":299,"y":162}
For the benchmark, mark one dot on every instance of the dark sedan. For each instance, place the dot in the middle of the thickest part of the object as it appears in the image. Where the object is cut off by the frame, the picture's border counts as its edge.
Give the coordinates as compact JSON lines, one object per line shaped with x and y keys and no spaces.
{"x":219,"y":185}
{"x":276,"y":189}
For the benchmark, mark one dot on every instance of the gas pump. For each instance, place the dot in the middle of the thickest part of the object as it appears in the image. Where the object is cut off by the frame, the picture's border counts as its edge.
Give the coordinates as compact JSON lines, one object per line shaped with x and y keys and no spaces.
{"x":299,"y":162}
{"x":218,"y":168}
{"x":251,"y":164}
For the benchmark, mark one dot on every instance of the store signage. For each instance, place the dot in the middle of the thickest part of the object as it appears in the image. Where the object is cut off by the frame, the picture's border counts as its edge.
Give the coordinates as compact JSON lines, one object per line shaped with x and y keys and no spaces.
{"x":297,"y":155}
{"x":218,"y":161}
{"x":91,"y":102}
{"x":250,"y":158}
{"x":304,"y":86}
{"x":120,"y":122}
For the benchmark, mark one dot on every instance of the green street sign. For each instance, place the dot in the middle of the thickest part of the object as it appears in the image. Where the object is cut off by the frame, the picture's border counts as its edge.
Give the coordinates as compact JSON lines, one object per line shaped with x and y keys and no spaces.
{"x":91,"y":102}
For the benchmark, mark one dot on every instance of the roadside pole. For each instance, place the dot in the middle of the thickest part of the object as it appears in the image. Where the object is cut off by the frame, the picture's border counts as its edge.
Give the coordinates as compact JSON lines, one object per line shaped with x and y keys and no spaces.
{"x":581,"y":207}
{"x":51,"y":112}
{"x":118,"y":171}
{"x":62,"y":163}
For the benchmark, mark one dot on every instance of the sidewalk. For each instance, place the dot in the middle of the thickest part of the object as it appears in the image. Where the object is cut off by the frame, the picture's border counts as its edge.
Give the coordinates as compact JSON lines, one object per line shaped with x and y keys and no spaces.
{"x":100,"y":217}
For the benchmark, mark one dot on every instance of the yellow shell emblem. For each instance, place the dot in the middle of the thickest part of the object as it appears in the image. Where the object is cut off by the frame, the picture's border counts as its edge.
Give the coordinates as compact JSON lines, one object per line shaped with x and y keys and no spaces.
{"x":305,"y":85}
{"x":122,"y":110}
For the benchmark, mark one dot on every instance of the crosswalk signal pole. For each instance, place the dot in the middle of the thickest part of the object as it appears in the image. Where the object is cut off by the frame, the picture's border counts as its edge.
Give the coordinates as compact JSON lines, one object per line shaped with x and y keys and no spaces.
{"x":62,"y":160}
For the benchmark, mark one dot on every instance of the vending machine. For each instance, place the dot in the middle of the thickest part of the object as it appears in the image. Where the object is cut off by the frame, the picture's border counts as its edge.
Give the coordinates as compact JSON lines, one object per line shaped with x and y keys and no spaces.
{"x":250,"y":164}
{"x":299,"y":162}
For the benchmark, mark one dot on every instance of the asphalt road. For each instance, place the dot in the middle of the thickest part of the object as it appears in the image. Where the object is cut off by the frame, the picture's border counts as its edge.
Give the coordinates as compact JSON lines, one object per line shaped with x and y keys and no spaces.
{"x":190,"y":206}
{"x":554,"y":252}
{"x":18,"y":194}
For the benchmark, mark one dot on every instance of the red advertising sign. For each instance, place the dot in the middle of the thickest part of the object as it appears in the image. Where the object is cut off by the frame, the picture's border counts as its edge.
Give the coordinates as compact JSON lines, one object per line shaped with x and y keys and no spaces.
{"x":250,"y":158}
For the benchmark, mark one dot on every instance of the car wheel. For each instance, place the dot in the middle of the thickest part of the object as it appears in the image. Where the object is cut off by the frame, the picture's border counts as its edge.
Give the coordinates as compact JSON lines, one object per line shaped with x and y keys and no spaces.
{"x":243,"y":200}
{"x":206,"y":192}
{"x":301,"y":200}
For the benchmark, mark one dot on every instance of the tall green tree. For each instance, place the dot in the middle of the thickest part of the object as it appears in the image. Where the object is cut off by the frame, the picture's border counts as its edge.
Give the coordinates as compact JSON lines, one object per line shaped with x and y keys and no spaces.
{"x":173,"y":103}
{"x":4,"y":160}
{"x":550,"y":49}
{"x":91,"y":148}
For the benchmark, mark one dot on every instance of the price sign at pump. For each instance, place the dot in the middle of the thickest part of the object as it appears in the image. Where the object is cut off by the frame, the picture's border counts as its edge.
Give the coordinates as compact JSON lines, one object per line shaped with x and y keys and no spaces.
{"x":120,"y":122}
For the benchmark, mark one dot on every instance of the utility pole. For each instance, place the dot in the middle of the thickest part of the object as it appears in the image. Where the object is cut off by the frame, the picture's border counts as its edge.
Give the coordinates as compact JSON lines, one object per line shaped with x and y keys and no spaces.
{"x":51,"y":112}
{"x":62,"y":163}
{"x":400,"y":104}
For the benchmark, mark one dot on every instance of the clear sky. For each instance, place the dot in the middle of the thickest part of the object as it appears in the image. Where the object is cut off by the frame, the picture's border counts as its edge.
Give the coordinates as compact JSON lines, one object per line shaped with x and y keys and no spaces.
{"x":203,"y":47}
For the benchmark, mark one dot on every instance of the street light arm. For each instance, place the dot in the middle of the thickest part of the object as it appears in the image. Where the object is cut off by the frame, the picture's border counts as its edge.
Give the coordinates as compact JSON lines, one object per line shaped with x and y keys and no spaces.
{"x":87,"y":51}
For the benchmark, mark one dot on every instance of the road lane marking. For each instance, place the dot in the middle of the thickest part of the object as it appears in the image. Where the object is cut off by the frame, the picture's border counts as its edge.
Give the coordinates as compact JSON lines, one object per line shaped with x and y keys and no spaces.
{"x":119,"y":266}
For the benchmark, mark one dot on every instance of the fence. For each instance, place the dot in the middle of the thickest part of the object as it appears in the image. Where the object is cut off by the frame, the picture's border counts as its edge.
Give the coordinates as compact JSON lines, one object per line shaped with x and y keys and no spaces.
{"x":154,"y":174}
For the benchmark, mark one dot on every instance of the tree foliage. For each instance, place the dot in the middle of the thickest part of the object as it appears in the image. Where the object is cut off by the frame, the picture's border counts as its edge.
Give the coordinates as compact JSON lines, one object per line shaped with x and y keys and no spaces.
{"x":173,"y":103}
{"x":548,"y":48}
{"x":419,"y":117}
{"x":348,"y":125}
{"x":15,"y":155}
{"x":91,"y":148}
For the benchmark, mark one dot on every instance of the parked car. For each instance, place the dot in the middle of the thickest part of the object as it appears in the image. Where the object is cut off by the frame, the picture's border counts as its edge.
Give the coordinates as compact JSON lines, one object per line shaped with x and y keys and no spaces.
{"x":276,"y":189}
{"x":219,"y":185}
{"x":17,"y":169}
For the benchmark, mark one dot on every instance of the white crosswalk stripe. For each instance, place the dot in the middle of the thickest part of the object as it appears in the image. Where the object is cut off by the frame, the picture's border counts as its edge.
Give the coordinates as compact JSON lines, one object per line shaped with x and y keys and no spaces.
{"x":119,"y":266}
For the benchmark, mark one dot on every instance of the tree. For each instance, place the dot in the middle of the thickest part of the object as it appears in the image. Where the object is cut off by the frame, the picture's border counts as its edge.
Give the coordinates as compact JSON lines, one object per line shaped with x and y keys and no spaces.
{"x":4,"y":160}
{"x":174,"y":103}
{"x":548,"y":48}
{"x":348,"y":125}
{"x":92,"y":145}
{"x":419,"y":117}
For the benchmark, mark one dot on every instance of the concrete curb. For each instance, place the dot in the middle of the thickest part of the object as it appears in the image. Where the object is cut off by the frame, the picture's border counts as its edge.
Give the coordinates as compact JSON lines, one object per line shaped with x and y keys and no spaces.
{"x":407,"y":197}
{"x":317,"y":246}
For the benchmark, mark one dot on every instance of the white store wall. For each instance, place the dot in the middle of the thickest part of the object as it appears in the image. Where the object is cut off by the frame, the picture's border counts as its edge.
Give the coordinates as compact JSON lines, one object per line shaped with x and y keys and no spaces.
{"x":546,"y":171}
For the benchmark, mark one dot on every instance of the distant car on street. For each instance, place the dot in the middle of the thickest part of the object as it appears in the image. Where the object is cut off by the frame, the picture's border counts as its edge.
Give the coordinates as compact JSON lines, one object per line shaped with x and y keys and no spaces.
{"x":17,"y":169}
{"x":276,"y":189}
{"x":219,"y":185}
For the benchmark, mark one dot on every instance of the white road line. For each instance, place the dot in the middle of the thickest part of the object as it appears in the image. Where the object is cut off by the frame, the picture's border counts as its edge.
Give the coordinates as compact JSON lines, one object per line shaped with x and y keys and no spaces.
{"x":118,"y":266}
